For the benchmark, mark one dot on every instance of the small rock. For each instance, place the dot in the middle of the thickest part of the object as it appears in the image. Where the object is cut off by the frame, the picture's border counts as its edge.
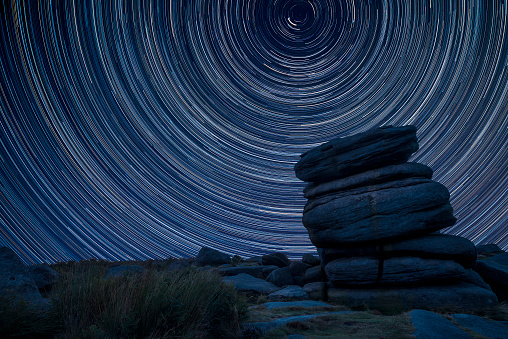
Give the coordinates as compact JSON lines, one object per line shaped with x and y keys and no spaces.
{"x":289,"y":292}
{"x":298,"y":268}
{"x":281,"y":277}
{"x":278,"y":259}
{"x":489,"y":249}
{"x":430,"y":325}
{"x":310,"y":259}
{"x":118,"y":271}
{"x":314,"y":274}
{"x":247,"y":283}
{"x":209,"y":256}
{"x":255,"y":271}
{"x":301,"y":303}
{"x":485,"y":327}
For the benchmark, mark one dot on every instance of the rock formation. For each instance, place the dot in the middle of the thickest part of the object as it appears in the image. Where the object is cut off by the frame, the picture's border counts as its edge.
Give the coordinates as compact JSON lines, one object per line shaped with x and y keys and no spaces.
{"x":374,"y":218}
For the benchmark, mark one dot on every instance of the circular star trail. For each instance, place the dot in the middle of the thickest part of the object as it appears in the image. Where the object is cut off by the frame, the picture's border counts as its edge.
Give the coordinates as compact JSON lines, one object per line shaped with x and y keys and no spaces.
{"x":135,"y":130}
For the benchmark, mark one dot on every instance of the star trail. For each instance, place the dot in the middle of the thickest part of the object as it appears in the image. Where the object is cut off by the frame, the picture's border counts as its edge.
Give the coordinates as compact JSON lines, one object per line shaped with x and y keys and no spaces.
{"x":147,"y":129}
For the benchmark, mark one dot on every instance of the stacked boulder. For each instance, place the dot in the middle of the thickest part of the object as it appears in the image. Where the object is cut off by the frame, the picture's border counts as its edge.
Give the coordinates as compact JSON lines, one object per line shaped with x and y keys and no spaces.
{"x":375,"y":217}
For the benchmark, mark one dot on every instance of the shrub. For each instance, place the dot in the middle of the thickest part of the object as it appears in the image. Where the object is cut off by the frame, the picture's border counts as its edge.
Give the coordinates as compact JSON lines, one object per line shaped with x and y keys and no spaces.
{"x":155,"y":303}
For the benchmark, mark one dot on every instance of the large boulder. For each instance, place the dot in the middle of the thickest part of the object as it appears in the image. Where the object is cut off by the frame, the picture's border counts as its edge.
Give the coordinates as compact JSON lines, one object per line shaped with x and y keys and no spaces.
{"x":496,"y":275}
{"x":488,"y":249}
{"x":343,"y":157}
{"x":369,"y":178}
{"x":278,"y":259}
{"x":255,"y":271}
{"x":314,"y":274}
{"x":316,"y":290}
{"x":298,"y":268}
{"x":482,"y":326}
{"x":459,"y":296}
{"x":281,"y":277}
{"x":15,"y":278}
{"x":44,"y":276}
{"x":403,"y":209}
{"x":247,"y":283}
{"x":431,"y":246}
{"x":392,"y":271}
{"x":212,"y":257}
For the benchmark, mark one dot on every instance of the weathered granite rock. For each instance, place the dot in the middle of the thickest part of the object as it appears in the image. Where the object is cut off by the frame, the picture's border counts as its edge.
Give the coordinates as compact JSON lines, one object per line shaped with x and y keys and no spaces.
{"x":314,"y":274}
{"x":209,"y":256}
{"x":281,"y":277}
{"x":310,"y":259}
{"x":496,"y":275}
{"x":431,"y":246}
{"x":373,"y":177}
{"x":501,"y":258}
{"x":483,"y":326}
{"x":44,"y":276}
{"x":247,"y":283}
{"x":430,"y":325}
{"x":118,"y":271}
{"x":300,"y":303}
{"x":489,"y":249}
{"x":440,"y":297}
{"x":474,"y":278}
{"x":268,"y":269}
{"x":392,"y":271}
{"x":290,"y":292}
{"x":298,"y":268}
{"x":278,"y":259}
{"x":255,"y":271}
{"x":316,"y":290}
{"x":383,"y":215}
{"x":343,"y":157}
{"x":15,"y":278}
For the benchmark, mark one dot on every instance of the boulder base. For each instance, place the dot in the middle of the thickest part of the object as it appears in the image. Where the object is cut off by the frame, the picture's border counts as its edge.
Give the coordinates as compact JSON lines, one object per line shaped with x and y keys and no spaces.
{"x":462,"y":296}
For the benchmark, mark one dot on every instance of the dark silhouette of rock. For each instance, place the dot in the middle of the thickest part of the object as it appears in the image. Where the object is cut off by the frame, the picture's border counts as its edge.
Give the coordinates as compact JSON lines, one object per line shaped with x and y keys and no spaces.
{"x":474,"y":278}
{"x":281,"y":277}
{"x":119,"y":271}
{"x":489,"y":249}
{"x":278,"y":259}
{"x":343,"y":157}
{"x":298,"y":268}
{"x":268,"y":269}
{"x":431,"y":246}
{"x":314,"y":274}
{"x":438,"y":297}
{"x":501,"y":258}
{"x":310,"y":259}
{"x":247,"y":283}
{"x":430,"y":325}
{"x":15,"y":278}
{"x":255,"y":271}
{"x":209,"y":256}
{"x":44,"y":276}
{"x":290,"y":292}
{"x":496,"y":275}
{"x":482,"y":326}
{"x":316,"y":290}
{"x":392,"y":271}
{"x":366,"y":215}
{"x":373,"y":177}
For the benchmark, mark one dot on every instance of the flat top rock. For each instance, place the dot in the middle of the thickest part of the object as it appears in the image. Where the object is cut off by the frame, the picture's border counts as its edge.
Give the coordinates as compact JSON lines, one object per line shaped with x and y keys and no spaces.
{"x":342,"y":157}
{"x":289,"y":292}
{"x":247,"y":283}
{"x":485,"y":327}
{"x":299,"y":303}
{"x":430,"y":325}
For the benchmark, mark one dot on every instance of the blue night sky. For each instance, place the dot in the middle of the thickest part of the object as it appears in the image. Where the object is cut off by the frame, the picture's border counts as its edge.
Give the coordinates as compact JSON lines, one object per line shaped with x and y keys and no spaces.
{"x":136,"y":129}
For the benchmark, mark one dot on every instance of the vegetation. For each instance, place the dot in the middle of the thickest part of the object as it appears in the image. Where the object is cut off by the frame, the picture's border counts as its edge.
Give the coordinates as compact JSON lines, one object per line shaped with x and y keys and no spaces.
{"x":154,"y":304}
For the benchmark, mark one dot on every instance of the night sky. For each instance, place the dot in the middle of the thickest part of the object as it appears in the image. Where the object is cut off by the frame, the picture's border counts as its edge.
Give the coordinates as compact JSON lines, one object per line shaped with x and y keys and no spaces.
{"x":136,"y":130}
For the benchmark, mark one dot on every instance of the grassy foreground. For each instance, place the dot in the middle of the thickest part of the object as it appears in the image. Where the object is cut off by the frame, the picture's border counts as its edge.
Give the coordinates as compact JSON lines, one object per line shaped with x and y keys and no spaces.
{"x":154,"y":304}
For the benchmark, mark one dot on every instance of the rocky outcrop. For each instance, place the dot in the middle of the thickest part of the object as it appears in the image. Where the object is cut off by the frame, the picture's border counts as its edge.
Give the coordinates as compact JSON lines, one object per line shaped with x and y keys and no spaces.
{"x":44,"y":277}
{"x":375,"y":217}
{"x":209,"y":256}
{"x":278,"y":259}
